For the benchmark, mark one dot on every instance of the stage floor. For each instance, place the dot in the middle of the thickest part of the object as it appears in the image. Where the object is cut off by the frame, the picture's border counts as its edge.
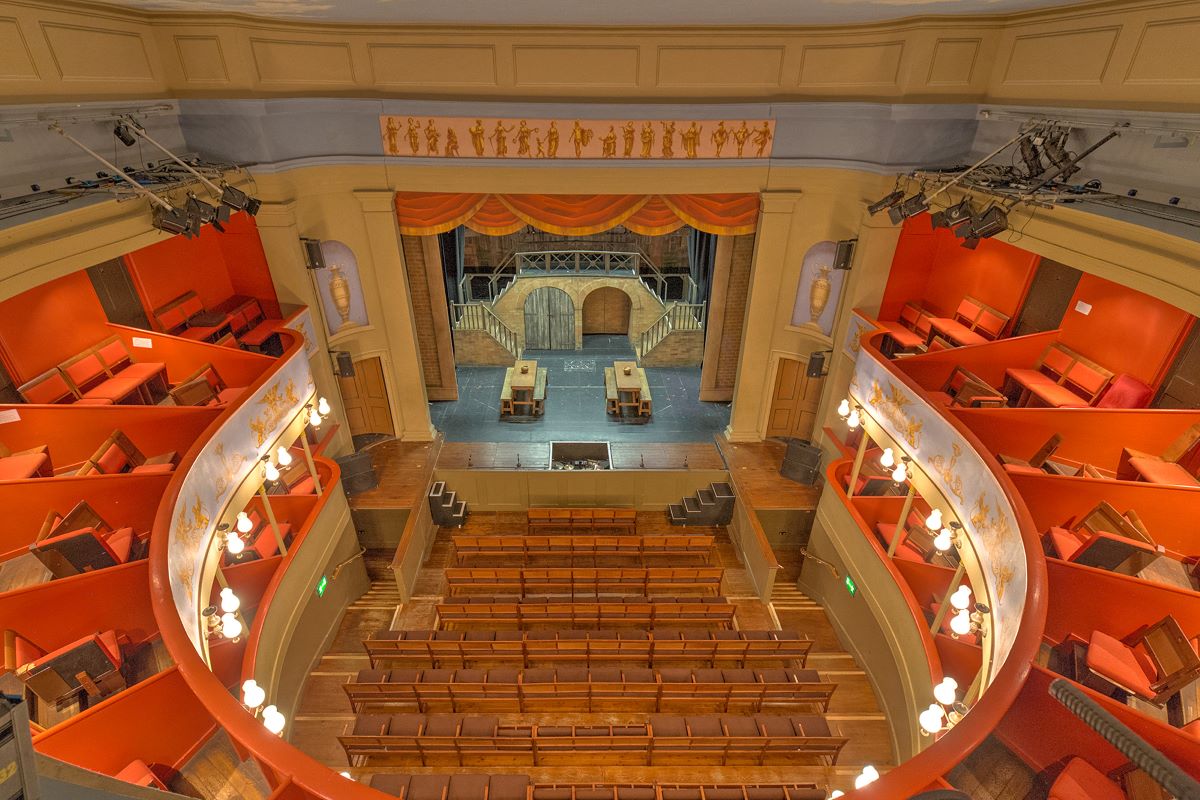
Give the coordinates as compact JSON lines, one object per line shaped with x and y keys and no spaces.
{"x":574,"y":408}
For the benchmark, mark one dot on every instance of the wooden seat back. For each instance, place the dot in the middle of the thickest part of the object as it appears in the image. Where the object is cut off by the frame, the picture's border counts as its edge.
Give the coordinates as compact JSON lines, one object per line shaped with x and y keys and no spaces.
{"x":172,"y":317}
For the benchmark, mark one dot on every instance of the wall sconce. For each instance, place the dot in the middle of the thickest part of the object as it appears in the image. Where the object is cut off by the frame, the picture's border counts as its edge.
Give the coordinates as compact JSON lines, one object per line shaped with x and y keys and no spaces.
{"x":868,"y":775}
{"x":887,"y":459}
{"x":273,"y":720}
{"x":835,"y":794}
{"x":232,"y":542}
{"x":323,"y":407}
{"x":229,"y":601}
{"x":934,"y":520}
{"x":931,"y":720}
{"x":961,"y":599}
{"x":900,"y":473}
{"x":944,"y":692}
{"x":948,"y":537}
{"x":855,"y":419}
{"x":966,"y":622}
{"x":253,"y":695}
{"x":270,"y":471}
{"x":227,"y":624}
{"x":843,"y":409}
{"x":283,"y":456}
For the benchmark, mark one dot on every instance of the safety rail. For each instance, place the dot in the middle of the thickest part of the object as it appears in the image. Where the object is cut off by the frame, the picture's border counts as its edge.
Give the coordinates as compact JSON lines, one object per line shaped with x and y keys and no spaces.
{"x":480,"y":317}
{"x":678,"y":317}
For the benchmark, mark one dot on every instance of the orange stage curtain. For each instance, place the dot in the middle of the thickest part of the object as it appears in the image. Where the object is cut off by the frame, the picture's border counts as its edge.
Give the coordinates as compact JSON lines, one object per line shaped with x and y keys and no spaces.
{"x":427,"y":213}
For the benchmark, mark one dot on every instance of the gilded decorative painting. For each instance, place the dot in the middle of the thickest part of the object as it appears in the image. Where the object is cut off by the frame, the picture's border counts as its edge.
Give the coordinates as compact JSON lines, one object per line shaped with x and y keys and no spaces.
{"x":550,"y":139}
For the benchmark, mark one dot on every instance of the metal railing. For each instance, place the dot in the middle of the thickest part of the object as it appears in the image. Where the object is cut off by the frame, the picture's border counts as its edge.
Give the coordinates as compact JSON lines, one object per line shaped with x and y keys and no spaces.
{"x":678,"y":317}
{"x":479,"y":317}
{"x":666,"y":286}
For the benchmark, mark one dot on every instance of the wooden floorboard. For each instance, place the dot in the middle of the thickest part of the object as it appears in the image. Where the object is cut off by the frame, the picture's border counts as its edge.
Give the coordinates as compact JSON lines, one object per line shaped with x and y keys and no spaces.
{"x":215,"y":772}
{"x":403,"y":469}
{"x":754,"y":468}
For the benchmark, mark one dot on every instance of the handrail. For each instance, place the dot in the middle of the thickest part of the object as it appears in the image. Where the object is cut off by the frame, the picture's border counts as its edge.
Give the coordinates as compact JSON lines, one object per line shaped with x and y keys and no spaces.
{"x":680,"y":316}
{"x":938,"y":759}
{"x":480,"y":317}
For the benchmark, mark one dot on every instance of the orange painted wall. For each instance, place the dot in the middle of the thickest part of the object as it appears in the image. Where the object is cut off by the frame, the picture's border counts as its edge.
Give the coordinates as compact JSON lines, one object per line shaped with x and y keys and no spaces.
{"x":1126,"y":331}
{"x":932,"y":265}
{"x":247,"y":263}
{"x":47,"y":325}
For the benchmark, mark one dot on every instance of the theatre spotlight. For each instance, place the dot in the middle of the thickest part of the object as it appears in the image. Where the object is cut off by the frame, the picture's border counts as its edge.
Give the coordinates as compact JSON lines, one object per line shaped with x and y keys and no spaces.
{"x":169,"y":219}
{"x":992,"y":221}
{"x":953,"y":216}
{"x":885,"y":203}
{"x":206,"y":212}
{"x":909,"y":207}
{"x":971,"y":243}
{"x":1032,"y":157}
{"x":122,"y":132}
{"x":1056,"y":150}
{"x":238,"y":200}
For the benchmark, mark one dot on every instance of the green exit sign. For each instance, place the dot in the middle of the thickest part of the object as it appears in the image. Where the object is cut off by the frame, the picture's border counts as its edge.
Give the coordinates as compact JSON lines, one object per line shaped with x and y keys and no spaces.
{"x":323,"y":584}
{"x":851,"y":586}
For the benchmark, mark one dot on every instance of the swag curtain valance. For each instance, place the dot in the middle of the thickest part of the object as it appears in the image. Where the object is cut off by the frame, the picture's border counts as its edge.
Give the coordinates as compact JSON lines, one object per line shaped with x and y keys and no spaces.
{"x":429,"y":213}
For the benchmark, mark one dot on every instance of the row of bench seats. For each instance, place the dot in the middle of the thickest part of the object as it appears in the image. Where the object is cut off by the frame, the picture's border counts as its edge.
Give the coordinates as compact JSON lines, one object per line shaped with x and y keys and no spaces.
{"x":115,"y":455}
{"x":518,"y":787}
{"x":440,"y":739}
{"x":583,"y":689}
{"x":525,"y":548}
{"x":236,"y":321}
{"x":103,"y":374}
{"x":527,"y":648}
{"x":585,"y":581}
{"x":642,"y":612}
{"x":606,"y":519}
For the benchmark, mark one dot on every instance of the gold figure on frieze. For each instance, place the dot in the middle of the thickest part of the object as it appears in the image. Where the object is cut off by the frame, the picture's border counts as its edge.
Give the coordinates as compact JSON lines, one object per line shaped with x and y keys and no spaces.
{"x":946,"y":469}
{"x":691,"y":139}
{"x":740,"y":136}
{"x":628,"y":131}
{"x":581,"y":137}
{"x":762,"y":138}
{"x":432,"y":135}
{"x":608,"y":144}
{"x":414,"y":136}
{"x":477,"y":132}
{"x":668,"y":139}
{"x":499,"y":139}
{"x":451,"y":143}
{"x":552,"y":140}
{"x":522,"y":138}
{"x":1004,"y":576}
{"x":393,"y":130}
{"x":647,"y":139}
{"x":719,"y":136}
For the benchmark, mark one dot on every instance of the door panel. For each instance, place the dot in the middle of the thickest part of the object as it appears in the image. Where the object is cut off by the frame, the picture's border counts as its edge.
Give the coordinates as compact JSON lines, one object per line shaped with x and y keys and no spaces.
{"x":606,"y":310}
{"x":1181,"y":386}
{"x":366,"y":400}
{"x":1049,"y":295}
{"x":794,"y":403}
{"x":549,"y":320}
{"x":117,"y":294}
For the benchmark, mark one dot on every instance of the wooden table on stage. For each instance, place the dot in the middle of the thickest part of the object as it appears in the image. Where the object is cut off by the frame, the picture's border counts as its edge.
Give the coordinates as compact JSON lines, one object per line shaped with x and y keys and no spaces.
{"x":524,"y":382}
{"x":630,"y":384}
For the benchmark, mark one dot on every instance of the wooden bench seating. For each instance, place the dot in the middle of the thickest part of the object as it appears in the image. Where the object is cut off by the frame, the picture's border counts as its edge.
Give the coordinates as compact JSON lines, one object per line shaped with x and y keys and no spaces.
{"x":104,"y":374}
{"x":974,"y":322}
{"x":911,"y":331}
{"x":536,"y":648}
{"x":665,"y":739}
{"x":570,"y":581}
{"x":1105,"y":539}
{"x":607,"y":520}
{"x":117,"y":454}
{"x":641,"y":612}
{"x":585,"y":690}
{"x":523,"y":549}
{"x":81,"y":541}
{"x":32,"y":462}
{"x":611,"y":395}
{"x":965,"y":389}
{"x":235,"y":321}
{"x":205,"y":387}
{"x":645,"y":402}
{"x":539,"y":391}
{"x":1179,"y":464}
{"x":506,"y":406}
{"x":1061,"y":378}
{"x":465,"y":786}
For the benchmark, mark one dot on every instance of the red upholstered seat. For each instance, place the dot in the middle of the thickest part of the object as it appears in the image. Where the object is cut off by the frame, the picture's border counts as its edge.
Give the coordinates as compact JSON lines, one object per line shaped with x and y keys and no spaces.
{"x":15,"y":468}
{"x":154,"y":468}
{"x":304,"y":486}
{"x":1028,"y":377}
{"x":1065,"y":542}
{"x":1057,"y":396}
{"x":1129,"y":668}
{"x":94,"y":401}
{"x":107,"y":640}
{"x":903,"y":337}
{"x":138,"y":773}
{"x":1126,"y":391}
{"x":259,"y":333}
{"x":199,"y":334}
{"x":1023,"y":469}
{"x":1081,"y":781}
{"x":114,"y":389}
{"x":120,"y":543}
{"x":1155,"y":470}
{"x":113,"y":461}
{"x":904,"y":551}
{"x":48,"y":388}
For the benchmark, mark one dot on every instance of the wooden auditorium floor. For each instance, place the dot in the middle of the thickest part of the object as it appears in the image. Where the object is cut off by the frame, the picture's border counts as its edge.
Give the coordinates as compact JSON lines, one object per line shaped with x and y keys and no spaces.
{"x":324,"y":712}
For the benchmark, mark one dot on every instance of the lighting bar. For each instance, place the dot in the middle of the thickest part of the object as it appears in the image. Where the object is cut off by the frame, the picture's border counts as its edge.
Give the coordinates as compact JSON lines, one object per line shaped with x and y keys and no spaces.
{"x":140,"y":190}
{"x":1139,"y":124}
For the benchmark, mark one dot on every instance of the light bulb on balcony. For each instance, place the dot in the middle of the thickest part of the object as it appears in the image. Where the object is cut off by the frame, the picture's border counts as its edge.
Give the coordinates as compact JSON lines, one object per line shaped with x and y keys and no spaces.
{"x":244,"y":523}
{"x":900,"y":474}
{"x":944,"y":691}
{"x":344,"y":773}
{"x":234,"y":543}
{"x":314,"y":418}
{"x":931,"y":718}
{"x":960,"y":623}
{"x":934,"y":520}
{"x":271,"y":472}
{"x":253,"y":695}
{"x":843,"y":409}
{"x":231,"y":626}
{"x":283,"y":456}
{"x":888,"y":459}
{"x":273,"y":720}
{"x":323,"y":407}
{"x":961,"y":597}
{"x":868,"y":775}
{"x":944,"y":540}
{"x":854,"y":420}
{"x":229,"y":601}
{"x":835,"y":794}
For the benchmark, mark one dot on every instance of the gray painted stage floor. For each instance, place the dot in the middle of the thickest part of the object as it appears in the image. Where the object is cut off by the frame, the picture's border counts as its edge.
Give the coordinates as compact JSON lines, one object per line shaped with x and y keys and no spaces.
{"x":574,"y":409}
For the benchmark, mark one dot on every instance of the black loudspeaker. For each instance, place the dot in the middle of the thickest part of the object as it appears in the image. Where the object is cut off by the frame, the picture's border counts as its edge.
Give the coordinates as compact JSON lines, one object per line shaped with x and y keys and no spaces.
{"x":801,"y":462}
{"x":843,"y":256}
{"x":816,"y":365}
{"x":313,"y":258}
{"x":358,"y":472}
{"x":345,"y":364}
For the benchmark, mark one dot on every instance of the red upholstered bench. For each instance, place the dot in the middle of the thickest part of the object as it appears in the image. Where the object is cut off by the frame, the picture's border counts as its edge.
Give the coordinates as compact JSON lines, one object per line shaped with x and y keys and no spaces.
{"x":1100,"y":549}
{"x":911,"y":330}
{"x":973,"y":323}
{"x":205,"y":387}
{"x":1177,"y":466}
{"x":119,"y":363}
{"x":117,"y":454}
{"x":1081,"y":781}
{"x":906,"y":549}
{"x":90,"y":380}
{"x":1061,"y":378}
{"x":53,"y":388}
{"x":31,"y":463}
{"x":139,"y":773}
{"x":56,"y":675}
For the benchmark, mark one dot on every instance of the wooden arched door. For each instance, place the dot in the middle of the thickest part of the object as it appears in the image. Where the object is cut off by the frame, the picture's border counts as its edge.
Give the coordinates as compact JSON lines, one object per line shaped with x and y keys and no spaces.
{"x":549,"y":320}
{"x":606,"y":310}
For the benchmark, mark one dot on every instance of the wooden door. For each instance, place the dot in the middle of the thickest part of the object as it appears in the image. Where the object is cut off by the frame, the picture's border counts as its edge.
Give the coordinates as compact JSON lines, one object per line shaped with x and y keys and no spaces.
{"x":794,"y":403}
{"x":549,"y":320}
{"x":1048,"y":297}
{"x":606,"y":310}
{"x":1181,"y":387}
{"x":366,"y":399}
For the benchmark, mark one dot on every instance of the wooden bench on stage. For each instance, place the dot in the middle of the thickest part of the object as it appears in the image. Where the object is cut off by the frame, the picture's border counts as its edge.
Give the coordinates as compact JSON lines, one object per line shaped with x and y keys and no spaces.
{"x":611,"y":395}
{"x":580,"y":689}
{"x":571,"y":581}
{"x":639,"y":612}
{"x":533,"y":648}
{"x":523,"y":549}
{"x":665,"y":739}
{"x":607,"y":520}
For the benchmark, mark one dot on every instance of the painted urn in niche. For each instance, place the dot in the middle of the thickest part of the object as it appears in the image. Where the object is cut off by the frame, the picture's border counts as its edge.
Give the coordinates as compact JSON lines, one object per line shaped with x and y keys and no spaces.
{"x":340,"y":285}
{"x":818,"y":294}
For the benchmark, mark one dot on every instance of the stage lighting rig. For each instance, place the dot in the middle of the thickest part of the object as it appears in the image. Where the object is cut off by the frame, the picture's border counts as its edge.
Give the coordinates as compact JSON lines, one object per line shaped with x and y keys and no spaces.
{"x":885,"y":203}
{"x":238,"y":200}
{"x":909,"y":207}
{"x":122,"y":132}
{"x":953,"y":216}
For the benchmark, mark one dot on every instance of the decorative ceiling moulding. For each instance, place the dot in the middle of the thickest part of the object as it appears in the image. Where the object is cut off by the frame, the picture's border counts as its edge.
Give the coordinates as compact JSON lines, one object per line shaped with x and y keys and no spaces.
{"x":404,"y":65}
{"x":16,"y":62}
